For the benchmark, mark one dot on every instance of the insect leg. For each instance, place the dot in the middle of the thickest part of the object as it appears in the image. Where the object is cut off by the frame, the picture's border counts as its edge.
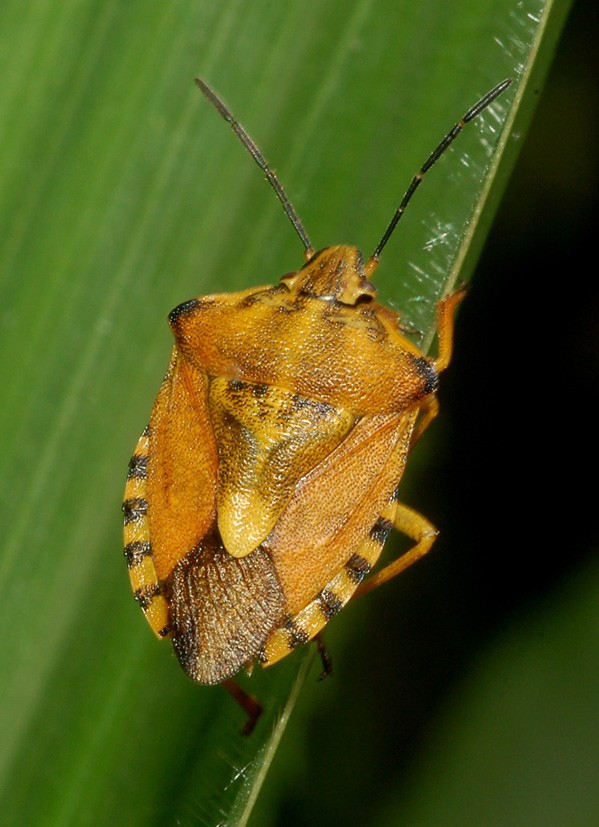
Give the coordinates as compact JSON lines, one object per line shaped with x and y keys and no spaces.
{"x":327,"y":663}
{"x":247,"y":702}
{"x":445,"y":324}
{"x":405,"y":519}
{"x":429,"y":410}
{"x":417,"y":528}
{"x":445,"y":317}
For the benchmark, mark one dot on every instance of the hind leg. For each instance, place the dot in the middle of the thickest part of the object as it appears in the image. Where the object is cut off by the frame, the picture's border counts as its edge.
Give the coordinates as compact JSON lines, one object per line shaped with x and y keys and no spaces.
{"x":417,"y":528}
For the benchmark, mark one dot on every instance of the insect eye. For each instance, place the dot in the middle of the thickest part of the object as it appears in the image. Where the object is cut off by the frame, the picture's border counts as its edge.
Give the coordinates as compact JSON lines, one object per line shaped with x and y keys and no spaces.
{"x":366,"y":292}
{"x":289,"y":279}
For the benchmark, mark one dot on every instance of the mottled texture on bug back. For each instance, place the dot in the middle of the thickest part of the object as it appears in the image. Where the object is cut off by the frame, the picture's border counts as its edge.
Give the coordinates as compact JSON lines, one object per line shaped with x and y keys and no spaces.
{"x":336,"y":505}
{"x":277,"y":441}
{"x":313,"y":344}
{"x":267,"y":439}
{"x":182,"y":466}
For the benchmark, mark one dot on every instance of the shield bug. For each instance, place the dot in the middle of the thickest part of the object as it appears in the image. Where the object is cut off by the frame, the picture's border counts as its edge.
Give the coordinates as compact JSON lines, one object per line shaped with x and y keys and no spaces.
{"x":260,"y":495}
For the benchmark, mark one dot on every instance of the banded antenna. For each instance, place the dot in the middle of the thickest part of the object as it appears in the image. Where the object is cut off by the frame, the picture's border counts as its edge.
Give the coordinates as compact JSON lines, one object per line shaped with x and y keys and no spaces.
{"x":269,"y":173}
{"x":472,"y":113}
{"x":272,"y":179}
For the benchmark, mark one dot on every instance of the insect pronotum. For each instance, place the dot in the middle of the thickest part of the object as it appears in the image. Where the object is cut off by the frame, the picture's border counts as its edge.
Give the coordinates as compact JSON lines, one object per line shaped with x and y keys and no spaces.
{"x":261,"y":493}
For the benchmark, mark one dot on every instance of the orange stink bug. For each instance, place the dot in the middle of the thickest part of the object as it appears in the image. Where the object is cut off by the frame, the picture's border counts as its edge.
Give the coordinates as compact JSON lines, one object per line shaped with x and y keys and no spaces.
{"x":261,"y":493}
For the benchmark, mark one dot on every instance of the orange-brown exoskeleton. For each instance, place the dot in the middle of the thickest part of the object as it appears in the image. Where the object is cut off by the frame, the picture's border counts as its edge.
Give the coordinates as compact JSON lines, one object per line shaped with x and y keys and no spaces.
{"x":261,"y":493}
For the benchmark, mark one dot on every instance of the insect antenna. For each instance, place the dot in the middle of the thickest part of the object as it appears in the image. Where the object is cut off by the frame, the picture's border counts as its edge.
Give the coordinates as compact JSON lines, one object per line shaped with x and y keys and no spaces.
{"x":269,"y":173}
{"x":432,"y":158}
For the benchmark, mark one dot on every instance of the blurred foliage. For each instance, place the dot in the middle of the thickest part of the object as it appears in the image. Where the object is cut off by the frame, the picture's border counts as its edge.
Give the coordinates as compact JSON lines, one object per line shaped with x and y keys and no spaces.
{"x":123,"y":194}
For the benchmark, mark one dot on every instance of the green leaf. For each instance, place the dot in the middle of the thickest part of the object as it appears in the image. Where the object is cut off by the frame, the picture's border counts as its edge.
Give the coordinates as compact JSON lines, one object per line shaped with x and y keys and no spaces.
{"x":125,"y":194}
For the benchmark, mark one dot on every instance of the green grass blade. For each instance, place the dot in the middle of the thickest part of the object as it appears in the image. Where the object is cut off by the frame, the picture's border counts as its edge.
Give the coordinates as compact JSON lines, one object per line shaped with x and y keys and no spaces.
{"x":124,"y":194}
